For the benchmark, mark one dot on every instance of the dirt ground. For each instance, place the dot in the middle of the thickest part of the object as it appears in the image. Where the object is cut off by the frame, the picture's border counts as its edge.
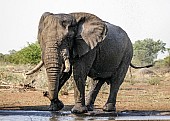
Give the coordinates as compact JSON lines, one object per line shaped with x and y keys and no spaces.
{"x":140,"y":96}
{"x":136,"y":92}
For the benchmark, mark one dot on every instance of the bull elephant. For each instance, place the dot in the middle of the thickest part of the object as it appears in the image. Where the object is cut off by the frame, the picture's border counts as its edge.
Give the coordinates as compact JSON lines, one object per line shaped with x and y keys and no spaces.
{"x":88,"y":46}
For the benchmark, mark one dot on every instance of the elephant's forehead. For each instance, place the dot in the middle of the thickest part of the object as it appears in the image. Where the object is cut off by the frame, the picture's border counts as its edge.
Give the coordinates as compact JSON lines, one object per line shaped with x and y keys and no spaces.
{"x":65,"y":17}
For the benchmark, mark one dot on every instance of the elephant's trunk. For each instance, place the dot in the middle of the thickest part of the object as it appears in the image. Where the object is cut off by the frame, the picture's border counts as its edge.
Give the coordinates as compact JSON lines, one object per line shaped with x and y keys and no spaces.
{"x":53,"y":65}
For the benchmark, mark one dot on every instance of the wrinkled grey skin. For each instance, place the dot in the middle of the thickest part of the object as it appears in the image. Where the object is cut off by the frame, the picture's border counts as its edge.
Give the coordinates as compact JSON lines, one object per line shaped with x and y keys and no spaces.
{"x":84,"y":43}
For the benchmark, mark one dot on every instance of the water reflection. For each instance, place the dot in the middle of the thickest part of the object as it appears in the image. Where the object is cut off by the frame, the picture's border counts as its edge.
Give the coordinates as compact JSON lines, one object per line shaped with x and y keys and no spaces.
{"x":94,"y":115}
{"x":68,"y":116}
{"x":61,"y":116}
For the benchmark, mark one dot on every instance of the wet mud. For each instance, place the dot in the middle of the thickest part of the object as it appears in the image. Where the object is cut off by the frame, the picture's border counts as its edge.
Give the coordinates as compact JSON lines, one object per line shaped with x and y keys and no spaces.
{"x":20,"y":115}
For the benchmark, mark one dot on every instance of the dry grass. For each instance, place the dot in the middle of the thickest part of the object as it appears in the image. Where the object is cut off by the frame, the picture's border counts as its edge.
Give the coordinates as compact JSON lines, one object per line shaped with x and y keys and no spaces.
{"x":14,"y":75}
{"x":145,"y":90}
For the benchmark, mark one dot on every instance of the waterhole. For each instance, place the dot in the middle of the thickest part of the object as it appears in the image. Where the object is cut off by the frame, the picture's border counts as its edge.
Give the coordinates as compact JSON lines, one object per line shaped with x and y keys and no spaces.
{"x":20,"y":115}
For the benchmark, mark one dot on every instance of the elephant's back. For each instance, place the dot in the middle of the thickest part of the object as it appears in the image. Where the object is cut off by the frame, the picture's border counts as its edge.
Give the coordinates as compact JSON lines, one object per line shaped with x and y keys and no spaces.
{"x":111,"y":50}
{"x":116,"y":42}
{"x":116,"y":37}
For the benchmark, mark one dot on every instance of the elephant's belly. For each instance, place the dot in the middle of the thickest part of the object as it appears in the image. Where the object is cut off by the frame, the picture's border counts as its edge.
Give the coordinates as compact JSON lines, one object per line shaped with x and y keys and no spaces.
{"x":105,"y":65}
{"x":95,"y":74}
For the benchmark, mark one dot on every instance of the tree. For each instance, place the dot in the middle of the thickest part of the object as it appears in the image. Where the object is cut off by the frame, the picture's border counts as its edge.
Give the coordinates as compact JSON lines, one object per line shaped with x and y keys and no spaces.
{"x":167,"y":59}
{"x":12,"y":51}
{"x":145,"y":51}
{"x":1,"y":57}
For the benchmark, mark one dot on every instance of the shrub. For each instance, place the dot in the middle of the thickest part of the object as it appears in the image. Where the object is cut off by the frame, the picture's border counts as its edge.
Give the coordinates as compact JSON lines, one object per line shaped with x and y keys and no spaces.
{"x":28,"y":55}
{"x":154,"y":81}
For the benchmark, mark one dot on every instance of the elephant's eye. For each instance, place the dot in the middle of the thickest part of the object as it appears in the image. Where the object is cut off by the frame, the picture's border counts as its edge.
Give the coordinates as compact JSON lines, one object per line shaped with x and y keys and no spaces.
{"x":70,"y":26}
{"x":64,"y":24}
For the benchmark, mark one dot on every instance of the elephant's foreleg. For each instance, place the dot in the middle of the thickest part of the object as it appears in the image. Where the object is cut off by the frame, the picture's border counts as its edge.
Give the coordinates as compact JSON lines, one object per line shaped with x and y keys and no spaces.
{"x":94,"y":90}
{"x":81,"y":68}
{"x":80,"y":75}
{"x":79,"y":94}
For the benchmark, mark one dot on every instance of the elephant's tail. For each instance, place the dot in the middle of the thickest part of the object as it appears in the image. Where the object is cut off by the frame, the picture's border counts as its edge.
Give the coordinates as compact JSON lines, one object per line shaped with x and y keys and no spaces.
{"x":138,"y":67}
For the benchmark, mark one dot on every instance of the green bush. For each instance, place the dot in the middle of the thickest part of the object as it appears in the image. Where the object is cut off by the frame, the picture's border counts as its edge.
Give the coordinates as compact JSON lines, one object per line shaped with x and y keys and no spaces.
{"x":28,"y":55}
{"x":167,"y":61}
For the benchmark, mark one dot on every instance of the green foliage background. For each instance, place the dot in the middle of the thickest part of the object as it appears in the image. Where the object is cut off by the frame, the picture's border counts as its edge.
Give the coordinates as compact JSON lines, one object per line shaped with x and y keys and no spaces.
{"x":146,"y":51}
{"x":30,"y":54}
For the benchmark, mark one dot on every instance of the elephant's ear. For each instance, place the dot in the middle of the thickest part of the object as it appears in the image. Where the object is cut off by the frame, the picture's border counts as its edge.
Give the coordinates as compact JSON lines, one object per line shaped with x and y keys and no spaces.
{"x":91,"y":31}
{"x":42,"y":24}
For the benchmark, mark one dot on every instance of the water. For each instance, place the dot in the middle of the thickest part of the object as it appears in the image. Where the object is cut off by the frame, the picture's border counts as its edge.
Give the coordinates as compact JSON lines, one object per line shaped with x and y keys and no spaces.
{"x":143,"y":118}
{"x":18,"y":115}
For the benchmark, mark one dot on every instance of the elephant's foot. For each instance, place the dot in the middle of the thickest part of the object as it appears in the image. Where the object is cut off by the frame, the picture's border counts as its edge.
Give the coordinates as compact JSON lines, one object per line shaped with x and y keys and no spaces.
{"x":108,"y":107}
{"x":90,"y":107}
{"x":56,"y":105}
{"x":79,"y":109}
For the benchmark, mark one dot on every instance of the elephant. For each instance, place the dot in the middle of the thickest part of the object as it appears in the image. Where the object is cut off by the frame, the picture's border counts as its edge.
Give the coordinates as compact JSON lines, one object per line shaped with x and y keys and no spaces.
{"x":85,"y":45}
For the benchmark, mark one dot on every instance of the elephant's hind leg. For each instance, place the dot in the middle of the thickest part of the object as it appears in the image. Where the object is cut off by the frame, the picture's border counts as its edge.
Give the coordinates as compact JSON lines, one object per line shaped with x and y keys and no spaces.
{"x":94,"y":90}
{"x":115,"y":83}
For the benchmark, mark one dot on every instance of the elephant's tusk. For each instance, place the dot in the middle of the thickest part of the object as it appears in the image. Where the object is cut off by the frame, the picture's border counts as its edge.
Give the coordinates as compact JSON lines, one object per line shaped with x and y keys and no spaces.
{"x":67,"y":65}
{"x":40,"y":64}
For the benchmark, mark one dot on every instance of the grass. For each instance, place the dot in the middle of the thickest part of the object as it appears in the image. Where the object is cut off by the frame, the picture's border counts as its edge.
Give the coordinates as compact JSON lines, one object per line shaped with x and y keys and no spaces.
{"x":10,"y":77}
{"x":13,"y":74}
{"x":154,"y":81}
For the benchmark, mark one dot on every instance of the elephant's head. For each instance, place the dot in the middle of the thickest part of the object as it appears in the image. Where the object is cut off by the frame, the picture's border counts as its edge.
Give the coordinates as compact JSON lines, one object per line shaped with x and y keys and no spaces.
{"x":55,"y":35}
{"x":63,"y":37}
